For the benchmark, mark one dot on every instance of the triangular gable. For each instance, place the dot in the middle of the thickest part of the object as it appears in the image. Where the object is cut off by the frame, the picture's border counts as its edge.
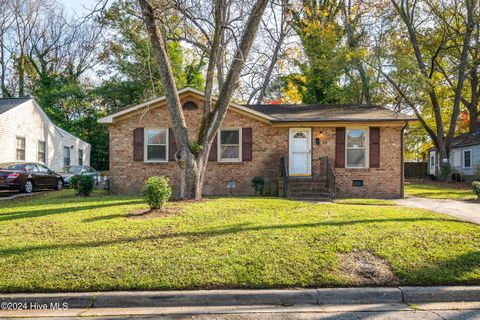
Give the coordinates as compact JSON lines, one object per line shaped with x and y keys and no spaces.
{"x":182,"y":93}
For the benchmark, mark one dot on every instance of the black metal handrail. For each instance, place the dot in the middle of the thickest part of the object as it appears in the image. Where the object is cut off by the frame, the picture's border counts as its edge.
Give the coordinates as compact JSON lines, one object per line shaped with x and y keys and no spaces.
{"x":284,"y":174}
{"x":331,"y":176}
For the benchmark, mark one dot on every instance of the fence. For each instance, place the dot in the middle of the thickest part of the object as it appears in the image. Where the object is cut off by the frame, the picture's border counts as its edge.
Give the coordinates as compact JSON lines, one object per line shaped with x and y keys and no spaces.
{"x":416,"y":170}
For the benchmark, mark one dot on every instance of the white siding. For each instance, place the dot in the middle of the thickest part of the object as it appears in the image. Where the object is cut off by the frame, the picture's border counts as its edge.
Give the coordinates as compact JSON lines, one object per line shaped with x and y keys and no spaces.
{"x":456,"y":160}
{"x":27,"y":120}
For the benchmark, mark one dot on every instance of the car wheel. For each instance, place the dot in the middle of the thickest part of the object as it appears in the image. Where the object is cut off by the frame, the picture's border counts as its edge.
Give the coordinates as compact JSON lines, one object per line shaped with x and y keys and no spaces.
{"x":27,"y":186}
{"x":59,"y":185}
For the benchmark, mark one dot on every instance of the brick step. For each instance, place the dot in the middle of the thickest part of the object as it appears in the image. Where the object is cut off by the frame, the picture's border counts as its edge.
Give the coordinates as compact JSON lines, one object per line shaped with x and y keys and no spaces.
{"x":303,"y":179}
{"x":301,"y":188}
{"x":307,"y":186}
{"x":313,"y":199}
{"x":308,"y":191}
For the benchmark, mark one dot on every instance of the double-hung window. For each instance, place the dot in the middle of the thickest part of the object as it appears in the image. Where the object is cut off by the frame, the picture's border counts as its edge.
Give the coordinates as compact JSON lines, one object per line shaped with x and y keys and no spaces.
{"x":357,"y":148}
{"x":66,"y":156}
{"x":467,"y":158}
{"x":20,"y":148}
{"x":80,"y":157}
{"x":156,"y":145}
{"x":230,"y":145}
{"x":41,"y":155}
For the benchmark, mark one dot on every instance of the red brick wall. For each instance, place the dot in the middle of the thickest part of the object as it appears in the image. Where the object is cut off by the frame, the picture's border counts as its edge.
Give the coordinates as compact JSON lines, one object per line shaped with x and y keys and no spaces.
{"x":269,"y":144}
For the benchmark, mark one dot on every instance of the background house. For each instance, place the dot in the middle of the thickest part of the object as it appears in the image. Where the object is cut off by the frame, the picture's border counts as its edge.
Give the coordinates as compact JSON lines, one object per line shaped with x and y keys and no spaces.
{"x":464,"y":156}
{"x":28,"y":134}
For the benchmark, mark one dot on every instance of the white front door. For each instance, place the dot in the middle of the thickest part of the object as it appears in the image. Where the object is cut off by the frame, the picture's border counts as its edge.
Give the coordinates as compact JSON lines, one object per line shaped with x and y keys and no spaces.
{"x":433,"y":162}
{"x":300,"y":147}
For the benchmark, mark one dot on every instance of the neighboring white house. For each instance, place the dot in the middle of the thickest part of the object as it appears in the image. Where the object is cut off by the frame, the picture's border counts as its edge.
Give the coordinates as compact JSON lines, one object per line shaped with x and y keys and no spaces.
{"x":464,"y":156}
{"x":28,"y":134}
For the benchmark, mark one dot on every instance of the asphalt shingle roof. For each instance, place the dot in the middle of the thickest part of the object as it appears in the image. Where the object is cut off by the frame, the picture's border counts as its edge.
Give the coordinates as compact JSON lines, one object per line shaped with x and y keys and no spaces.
{"x":315,"y":112}
{"x":466,"y":139}
{"x":10,"y":103}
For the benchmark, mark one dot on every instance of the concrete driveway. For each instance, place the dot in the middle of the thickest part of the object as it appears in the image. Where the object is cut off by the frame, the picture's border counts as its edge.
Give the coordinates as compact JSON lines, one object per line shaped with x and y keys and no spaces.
{"x":466,"y":211}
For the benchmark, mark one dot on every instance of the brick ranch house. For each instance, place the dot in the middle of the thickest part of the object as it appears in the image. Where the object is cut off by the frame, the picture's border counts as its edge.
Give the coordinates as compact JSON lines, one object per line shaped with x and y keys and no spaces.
{"x":301,"y":151}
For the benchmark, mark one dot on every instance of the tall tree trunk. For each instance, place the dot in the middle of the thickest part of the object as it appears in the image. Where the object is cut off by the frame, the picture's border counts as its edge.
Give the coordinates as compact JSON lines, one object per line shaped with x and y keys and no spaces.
{"x":193,"y":166}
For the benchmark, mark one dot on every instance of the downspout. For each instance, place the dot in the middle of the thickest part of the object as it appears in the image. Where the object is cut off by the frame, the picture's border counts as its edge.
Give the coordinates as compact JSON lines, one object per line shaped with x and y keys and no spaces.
{"x":402,"y":162}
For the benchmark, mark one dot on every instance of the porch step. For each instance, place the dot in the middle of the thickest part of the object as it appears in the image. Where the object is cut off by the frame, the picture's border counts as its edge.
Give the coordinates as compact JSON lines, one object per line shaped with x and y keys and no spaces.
{"x":316,"y":198}
{"x":308,"y":188}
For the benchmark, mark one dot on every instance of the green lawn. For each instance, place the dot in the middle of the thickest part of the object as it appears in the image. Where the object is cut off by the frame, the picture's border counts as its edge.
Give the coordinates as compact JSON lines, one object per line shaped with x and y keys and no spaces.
{"x":57,"y":242}
{"x":438,"y":190}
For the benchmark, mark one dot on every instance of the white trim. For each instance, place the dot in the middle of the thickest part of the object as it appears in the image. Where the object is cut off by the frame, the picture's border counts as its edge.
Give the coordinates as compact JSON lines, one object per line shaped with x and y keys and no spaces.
{"x":463,"y":158}
{"x":434,"y":162}
{"x":145,"y":145}
{"x":308,"y":131}
{"x":219,"y":140}
{"x":110,"y":118}
{"x":367,"y":147}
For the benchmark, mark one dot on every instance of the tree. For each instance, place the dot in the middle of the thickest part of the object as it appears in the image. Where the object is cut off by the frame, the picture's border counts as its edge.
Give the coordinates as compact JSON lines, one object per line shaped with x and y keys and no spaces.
{"x":431,"y":65}
{"x":192,"y":166}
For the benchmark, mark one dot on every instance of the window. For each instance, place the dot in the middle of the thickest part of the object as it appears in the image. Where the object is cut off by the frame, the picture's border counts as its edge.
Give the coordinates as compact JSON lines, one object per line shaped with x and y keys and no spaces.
{"x":41,"y":151}
{"x":156,"y":148}
{"x":43,"y":169}
{"x":80,"y":157}
{"x":357,"y":142}
{"x":20,"y":148}
{"x":31,"y":168}
{"x":66,"y":156}
{"x":467,"y":158}
{"x":229,"y":146}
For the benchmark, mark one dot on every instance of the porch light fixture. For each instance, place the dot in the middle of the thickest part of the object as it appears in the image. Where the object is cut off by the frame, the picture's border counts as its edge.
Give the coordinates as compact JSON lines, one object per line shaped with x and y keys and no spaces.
{"x":318,"y":137}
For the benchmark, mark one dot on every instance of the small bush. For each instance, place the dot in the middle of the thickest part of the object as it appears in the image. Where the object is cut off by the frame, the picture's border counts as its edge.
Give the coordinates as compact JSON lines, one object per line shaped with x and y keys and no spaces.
{"x":258,"y":185}
{"x":445,"y":170}
{"x":156,"y":191}
{"x":83,"y":184}
{"x":195,"y":147}
{"x":476,"y":188}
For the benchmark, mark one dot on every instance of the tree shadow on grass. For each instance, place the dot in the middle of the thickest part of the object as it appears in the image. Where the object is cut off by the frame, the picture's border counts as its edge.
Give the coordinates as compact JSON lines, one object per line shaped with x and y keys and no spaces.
{"x":447,"y":272}
{"x":198,"y":235}
{"x":45,"y":212}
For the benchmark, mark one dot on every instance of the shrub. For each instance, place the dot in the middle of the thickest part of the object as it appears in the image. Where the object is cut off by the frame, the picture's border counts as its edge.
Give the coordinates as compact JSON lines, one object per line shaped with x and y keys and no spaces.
{"x":83,"y":184}
{"x":445,"y":170}
{"x":476,"y":188}
{"x":258,"y":185}
{"x":195,"y":147}
{"x":156,"y":191}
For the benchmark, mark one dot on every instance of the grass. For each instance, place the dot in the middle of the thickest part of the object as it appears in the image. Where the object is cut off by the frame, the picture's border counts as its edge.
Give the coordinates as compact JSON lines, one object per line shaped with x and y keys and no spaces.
{"x":61,"y":243}
{"x":439,"y":190}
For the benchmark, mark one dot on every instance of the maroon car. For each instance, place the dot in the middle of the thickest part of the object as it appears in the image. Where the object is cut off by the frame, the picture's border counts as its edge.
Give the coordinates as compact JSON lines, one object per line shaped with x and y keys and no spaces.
{"x":27,"y":176}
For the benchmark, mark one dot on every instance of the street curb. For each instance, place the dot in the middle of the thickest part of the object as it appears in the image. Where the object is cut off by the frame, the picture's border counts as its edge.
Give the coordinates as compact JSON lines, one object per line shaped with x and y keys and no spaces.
{"x":240,"y":297}
{"x":440,"y":294}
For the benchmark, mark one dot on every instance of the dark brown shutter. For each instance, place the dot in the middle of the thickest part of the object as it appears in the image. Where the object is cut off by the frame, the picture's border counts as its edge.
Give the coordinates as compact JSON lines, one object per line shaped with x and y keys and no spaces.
{"x":138,"y":144}
{"x":340,"y":147}
{"x":212,"y":156}
{"x":374,"y":147}
{"x":172,"y":145}
{"x":247,"y":144}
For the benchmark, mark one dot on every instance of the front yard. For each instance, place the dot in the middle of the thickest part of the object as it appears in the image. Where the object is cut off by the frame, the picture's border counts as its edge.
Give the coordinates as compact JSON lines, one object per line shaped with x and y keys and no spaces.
{"x":57,"y":242}
{"x":439,"y":190}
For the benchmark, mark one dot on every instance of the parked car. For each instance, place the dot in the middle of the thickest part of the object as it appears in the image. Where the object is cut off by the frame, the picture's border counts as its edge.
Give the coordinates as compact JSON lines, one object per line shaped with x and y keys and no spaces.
{"x":68,"y":172}
{"x":28,"y":176}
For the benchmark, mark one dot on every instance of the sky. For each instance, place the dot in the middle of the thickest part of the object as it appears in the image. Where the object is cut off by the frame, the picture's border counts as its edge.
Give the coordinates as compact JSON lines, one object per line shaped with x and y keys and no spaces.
{"x":78,"y":7}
